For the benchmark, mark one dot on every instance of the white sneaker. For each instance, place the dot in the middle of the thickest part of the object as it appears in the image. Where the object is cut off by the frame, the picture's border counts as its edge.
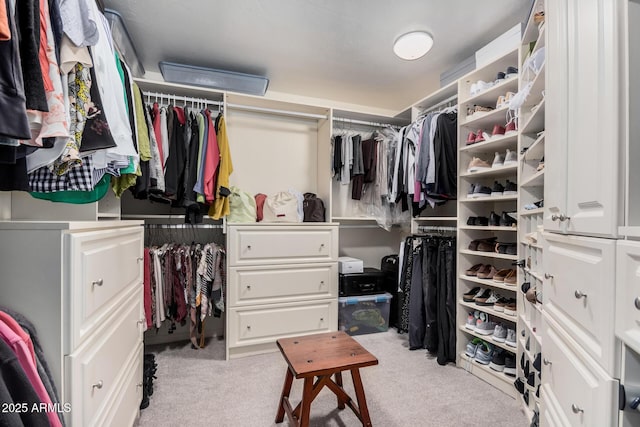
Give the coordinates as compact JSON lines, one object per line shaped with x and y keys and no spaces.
{"x":511,"y":158}
{"x":498,"y":160}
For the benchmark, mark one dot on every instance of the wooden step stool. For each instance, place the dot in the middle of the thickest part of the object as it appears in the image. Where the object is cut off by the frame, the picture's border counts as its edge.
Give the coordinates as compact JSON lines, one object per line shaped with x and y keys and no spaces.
{"x":322,"y":356}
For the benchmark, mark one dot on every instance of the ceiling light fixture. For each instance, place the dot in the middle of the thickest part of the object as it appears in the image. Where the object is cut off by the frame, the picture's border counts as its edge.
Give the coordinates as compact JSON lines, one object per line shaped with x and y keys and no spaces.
{"x":413,"y":45}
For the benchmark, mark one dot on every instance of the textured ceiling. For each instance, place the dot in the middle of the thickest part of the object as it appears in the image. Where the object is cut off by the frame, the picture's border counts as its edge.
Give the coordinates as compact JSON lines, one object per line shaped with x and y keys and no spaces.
{"x":330,"y":49}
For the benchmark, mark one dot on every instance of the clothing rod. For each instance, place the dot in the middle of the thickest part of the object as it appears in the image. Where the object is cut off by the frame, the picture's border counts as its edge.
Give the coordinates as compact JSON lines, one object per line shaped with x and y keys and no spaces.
{"x":363,"y":122}
{"x":190,"y":226}
{"x":439,"y":104}
{"x":276,"y":111}
{"x":436,"y":228}
{"x":181,"y":98}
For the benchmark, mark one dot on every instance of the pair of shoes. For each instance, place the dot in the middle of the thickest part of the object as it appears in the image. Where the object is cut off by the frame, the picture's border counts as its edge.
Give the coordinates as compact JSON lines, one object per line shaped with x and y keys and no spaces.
{"x":484,"y":353}
{"x":483,"y":245}
{"x":499,"y":333}
{"x":478,"y":190}
{"x":477,"y":164}
{"x":511,"y":127}
{"x":498,"y":361}
{"x":487,"y":271}
{"x":509,"y":365}
{"x":480,"y":86}
{"x":497,"y":131}
{"x":478,"y":109}
{"x":535,"y":205}
{"x":510,"y":340}
{"x":472,"y":272}
{"x":509,"y":189}
{"x":506,"y":248}
{"x":510,"y":309}
{"x":504,"y":100}
{"x":540,"y":164}
{"x":494,"y":218}
{"x":508,"y":276}
{"x":509,"y":159}
{"x":484,"y":326}
{"x":477,"y":220}
{"x":479,"y":136}
{"x":472,"y":347}
{"x":487,"y":298}
{"x":538,"y":18}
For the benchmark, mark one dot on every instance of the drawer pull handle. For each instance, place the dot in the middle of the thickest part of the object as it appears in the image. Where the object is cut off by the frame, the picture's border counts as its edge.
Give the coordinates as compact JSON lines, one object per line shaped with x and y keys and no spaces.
{"x":548,"y":276}
{"x":554,"y":217}
{"x":141,"y":321}
{"x":637,"y":303}
{"x":248,"y":287}
{"x":97,"y":385}
{"x":322,"y":319}
{"x":248,"y":327}
{"x":248,"y":247}
{"x":546,"y":362}
{"x":139,"y":385}
{"x":579,"y":294}
{"x":576,"y":409}
{"x":322,"y":283}
{"x":139,"y":259}
{"x":98,"y":282}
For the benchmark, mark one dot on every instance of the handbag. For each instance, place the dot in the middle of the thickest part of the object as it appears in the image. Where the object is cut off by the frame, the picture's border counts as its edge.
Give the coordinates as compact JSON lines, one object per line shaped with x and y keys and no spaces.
{"x":281,"y":207}
{"x":242,"y":206}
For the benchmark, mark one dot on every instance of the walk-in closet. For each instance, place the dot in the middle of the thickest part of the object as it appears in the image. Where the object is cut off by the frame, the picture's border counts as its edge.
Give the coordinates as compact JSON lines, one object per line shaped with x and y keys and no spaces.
{"x":313,"y":213}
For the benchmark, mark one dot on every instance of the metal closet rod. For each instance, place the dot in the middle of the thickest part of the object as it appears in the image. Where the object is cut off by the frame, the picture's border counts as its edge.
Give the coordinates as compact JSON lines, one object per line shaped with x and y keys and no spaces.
{"x":183,"y":226}
{"x":185,"y":99}
{"x":277,"y":111}
{"x":363,"y":122}
{"x":439,"y":104}
{"x":436,"y":228}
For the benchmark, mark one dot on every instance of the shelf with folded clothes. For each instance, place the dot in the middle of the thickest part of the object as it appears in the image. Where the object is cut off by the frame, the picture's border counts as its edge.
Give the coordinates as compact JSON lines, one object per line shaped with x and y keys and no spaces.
{"x":489,"y":339}
{"x":489,"y":282}
{"x":507,"y":380}
{"x":489,"y":254}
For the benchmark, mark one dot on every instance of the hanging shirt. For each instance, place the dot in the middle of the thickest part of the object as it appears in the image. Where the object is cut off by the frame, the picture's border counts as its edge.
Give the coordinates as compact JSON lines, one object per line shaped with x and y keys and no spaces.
{"x":211,"y":162}
{"x":220,"y":207}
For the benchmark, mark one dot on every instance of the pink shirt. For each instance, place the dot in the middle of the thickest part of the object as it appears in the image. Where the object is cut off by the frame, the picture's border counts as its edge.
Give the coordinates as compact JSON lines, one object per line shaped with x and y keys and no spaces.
{"x":21,"y":344}
{"x":211,"y":161}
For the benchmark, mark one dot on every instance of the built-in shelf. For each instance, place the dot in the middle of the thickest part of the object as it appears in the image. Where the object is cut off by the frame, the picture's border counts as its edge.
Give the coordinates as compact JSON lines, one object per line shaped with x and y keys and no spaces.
{"x":534,"y":332}
{"x":436,"y":218}
{"x":506,"y":379}
{"x":490,"y":311}
{"x":532,"y":212}
{"x":490,"y":199}
{"x":487,"y":119}
{"x":535,"y":122}
{"x":536,"y":91}
{"x":536,"y":149}
{"x":490,"y":95}
{"x":487,"y":228}
{"x":489,"y":282}
{"x":489,"y":339}
{"x":535,"y":180}
{"x":489,"y":254}
{"x":531,"y":245}
{"x":495,"y":143}
{"x":497,"y":171}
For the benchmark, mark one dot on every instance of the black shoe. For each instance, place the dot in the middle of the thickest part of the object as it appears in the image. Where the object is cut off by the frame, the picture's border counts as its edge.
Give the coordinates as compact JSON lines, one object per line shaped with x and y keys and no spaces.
{"x":494,"y":219}
{"x":481,"y":191}
{"x":510,"y":365}
{"x":525,"y":396}
{"x":536,"y":363}
{"x":525,"y":287}
{"x":507,"y":220}
{"x":471,"y":220}
{"x":498,"y":360}
{"x":482,"y":220}
{"x":519,"y":385}
{"x":531,"y":379}
{"x":510,"y":189}
{"x":497,"y":189}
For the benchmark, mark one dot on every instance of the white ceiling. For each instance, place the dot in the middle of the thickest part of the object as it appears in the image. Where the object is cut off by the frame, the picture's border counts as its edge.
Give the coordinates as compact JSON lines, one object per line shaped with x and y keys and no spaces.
{"x":330,"y":49}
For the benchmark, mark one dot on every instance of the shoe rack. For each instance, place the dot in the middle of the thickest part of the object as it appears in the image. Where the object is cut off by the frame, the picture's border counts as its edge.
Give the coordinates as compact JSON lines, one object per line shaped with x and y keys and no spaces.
{"x":487,"y":232}
{"x":531,"y":150}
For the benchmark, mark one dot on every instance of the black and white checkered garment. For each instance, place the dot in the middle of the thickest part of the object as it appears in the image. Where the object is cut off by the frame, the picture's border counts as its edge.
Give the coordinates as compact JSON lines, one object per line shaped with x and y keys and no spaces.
{"x":80,"y":178}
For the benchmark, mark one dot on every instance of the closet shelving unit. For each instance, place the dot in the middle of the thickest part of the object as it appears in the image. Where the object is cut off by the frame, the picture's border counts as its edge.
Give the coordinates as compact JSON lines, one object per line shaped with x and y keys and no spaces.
{"x":446,"y":214}
{"x":531,"y":146}
{"x":474,"y":207}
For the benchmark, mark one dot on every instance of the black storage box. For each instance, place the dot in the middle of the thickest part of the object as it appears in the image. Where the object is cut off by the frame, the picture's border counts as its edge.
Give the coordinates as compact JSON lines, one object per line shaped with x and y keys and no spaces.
{"x":370,"y":281}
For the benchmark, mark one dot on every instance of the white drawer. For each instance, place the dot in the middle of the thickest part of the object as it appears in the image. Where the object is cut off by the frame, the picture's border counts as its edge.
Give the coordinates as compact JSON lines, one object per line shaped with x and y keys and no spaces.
{"x":253,"y":245}
{"x":579,"y":293}
{"x":583,"y":393}
{"x":92,"y":371}
{"x":102,"y":265}
{"x":275,"y":284}
{"x":268,"y":323}
{"x":628,"y":294}
{"x":126,"y":406}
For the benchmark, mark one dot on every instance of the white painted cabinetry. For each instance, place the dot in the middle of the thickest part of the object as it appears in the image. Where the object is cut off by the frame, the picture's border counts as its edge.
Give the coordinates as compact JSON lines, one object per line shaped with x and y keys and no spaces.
{"x":282,"y":282}
{"x":80,"y":284}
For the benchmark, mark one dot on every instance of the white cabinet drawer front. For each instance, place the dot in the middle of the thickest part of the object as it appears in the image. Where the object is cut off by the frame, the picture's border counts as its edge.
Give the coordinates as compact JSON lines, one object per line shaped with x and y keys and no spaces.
{"x":579,"y":293}
{"x":628,"y":294}
{"x":103,"y":264}
{"x":574,"y":384}
{"x":92,"y":371}
{"x":126,"y":405}
{"x":262,"y":285}
{"x":283,"y":245}
{"x":262,"y":325}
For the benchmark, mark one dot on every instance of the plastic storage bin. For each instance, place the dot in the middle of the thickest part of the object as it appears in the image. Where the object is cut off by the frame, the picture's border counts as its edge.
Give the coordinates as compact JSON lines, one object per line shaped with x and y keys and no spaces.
{"x":366,"y":314}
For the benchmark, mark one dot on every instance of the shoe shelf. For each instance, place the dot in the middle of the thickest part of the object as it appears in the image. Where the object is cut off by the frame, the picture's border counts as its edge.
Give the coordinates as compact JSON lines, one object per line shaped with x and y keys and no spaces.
{"x":489,"y":282}
{"x":532,"y":29}
{"x":489,"y":254}
{"x":489,"y":339}
{"x":535,"y":180}
{"x":532,"y":333}
{"x":532,"y":212}
{"x":527,"y":353}
{"x":497,"y":171}
{"x":531,"y":245}
{"x":489,"y":199}
{"x":535,"y":150}
{"x":484,"y":372}
{"x":487,"y":228}
{"x":535,"y":94}
{"x":486,"y":119}
{"x":499,"y":143}
{"x":535,"y":121}
{"x":540,"y":41}
{"x":489,"y":96}
{"x":490,"y":311}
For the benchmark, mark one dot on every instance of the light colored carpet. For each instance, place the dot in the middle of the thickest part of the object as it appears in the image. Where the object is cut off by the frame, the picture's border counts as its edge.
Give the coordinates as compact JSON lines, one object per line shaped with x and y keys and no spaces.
{"x":199,"y":388}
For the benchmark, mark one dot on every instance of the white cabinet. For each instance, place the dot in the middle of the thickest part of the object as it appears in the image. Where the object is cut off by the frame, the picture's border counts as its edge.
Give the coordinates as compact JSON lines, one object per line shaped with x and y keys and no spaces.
{"x":579,"y":293}
{"x":575,"y":391}
{"x":80,"y":284}
{"x":628,"y":294}
{"x":282,"y":282}
{"x":584,"y":107}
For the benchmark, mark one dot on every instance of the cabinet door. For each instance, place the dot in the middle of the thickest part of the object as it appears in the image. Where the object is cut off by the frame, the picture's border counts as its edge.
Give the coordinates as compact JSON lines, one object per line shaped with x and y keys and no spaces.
{"x":579,"y":293}
{"x":628,"y":294}
{"x":556,"y":77}
{"x":573,"y":384}
{"x":594,"y":134}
